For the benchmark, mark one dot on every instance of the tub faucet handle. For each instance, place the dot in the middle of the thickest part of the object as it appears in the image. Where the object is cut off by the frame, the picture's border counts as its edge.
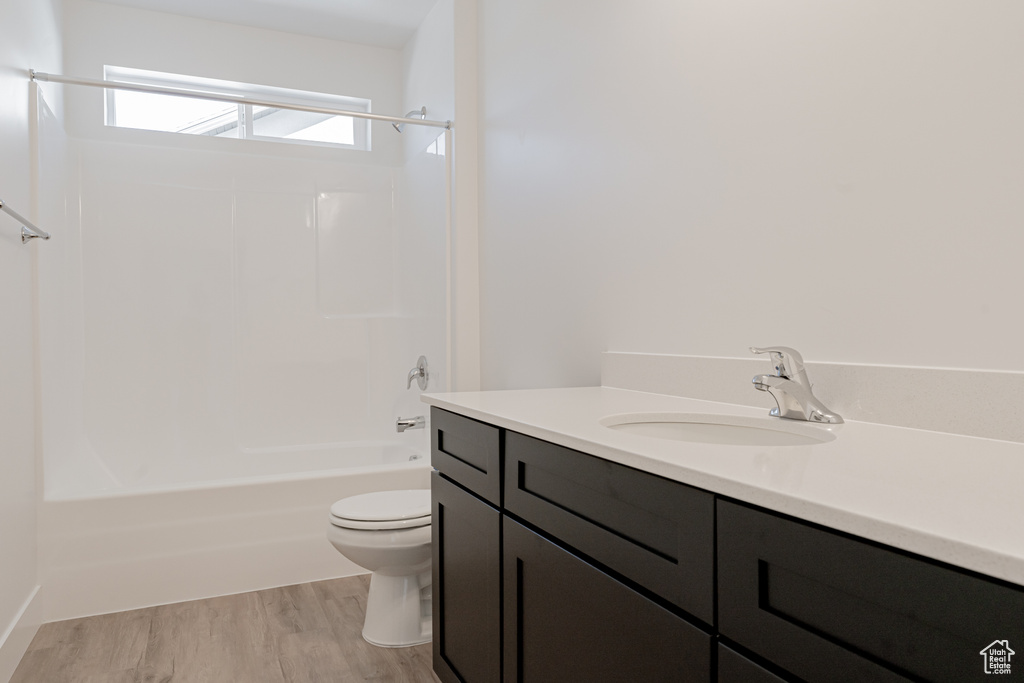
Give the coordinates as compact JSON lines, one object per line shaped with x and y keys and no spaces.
{"x":420,"y":374}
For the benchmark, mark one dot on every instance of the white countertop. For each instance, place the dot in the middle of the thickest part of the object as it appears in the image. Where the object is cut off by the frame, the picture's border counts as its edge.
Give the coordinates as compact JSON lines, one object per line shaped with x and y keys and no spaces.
{"x":953,"y":498}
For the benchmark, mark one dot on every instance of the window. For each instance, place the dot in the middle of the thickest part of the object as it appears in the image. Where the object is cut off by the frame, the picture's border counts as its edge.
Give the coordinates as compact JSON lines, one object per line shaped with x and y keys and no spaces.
{"x":191,"y":116}
{"x":437,"y":146}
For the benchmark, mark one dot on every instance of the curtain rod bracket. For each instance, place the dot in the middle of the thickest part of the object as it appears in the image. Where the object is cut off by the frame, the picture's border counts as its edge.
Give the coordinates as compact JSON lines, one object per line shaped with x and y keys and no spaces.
{"x":27,"y":235}
{"x":28,"y":231}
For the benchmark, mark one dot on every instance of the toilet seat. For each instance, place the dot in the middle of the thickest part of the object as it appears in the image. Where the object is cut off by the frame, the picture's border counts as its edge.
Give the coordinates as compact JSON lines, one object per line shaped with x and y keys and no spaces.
{"x":383,"y":510}
{"x":381,"y":525}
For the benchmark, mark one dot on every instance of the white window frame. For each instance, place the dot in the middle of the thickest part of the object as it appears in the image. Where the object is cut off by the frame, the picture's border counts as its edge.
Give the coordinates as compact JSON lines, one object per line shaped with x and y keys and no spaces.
{"x":360,"y":127}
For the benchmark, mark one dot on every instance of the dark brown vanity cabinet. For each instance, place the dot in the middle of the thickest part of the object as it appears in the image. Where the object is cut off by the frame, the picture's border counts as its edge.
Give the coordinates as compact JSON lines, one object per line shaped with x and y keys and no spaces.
{"x":551,"y":565}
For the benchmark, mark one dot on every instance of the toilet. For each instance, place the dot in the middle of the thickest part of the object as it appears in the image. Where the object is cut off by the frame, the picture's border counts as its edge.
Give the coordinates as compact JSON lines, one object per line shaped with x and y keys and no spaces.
{"x":388,"y":532}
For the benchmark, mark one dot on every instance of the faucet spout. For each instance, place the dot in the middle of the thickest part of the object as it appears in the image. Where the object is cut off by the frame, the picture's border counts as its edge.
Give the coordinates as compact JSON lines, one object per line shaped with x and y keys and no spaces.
{"x":404,"y":423}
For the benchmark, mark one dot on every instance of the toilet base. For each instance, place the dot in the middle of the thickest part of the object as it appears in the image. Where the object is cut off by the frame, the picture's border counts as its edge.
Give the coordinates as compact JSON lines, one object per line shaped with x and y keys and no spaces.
{"x":398,"y":610}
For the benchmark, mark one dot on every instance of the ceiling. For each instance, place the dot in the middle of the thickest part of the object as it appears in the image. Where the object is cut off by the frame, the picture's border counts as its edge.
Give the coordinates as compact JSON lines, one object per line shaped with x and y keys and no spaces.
{"x":386,"y":23}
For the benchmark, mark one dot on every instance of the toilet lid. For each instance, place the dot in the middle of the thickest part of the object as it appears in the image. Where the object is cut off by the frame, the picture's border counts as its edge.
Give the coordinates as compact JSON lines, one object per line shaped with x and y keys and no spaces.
{"x":385,"y":506}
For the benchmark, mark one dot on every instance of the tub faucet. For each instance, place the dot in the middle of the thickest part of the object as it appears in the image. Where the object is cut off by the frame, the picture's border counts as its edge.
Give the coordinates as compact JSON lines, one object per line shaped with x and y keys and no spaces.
{"x":790,"y":388}
{"x":403,"y":423}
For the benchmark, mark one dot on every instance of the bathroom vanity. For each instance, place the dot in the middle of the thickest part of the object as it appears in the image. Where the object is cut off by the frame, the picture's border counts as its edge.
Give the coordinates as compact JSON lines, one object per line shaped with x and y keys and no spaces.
{"x":585,"y":555}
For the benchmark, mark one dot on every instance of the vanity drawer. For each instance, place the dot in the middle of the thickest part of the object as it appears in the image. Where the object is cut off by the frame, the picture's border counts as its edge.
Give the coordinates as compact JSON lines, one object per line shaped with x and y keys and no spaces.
{"x":827,"y":607}
{"x":653,"y":531}
{"x":468,"y":452}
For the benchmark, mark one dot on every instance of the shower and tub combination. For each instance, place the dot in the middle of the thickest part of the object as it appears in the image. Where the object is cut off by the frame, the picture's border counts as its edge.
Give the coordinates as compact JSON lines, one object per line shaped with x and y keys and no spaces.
{"x":226,"y":334}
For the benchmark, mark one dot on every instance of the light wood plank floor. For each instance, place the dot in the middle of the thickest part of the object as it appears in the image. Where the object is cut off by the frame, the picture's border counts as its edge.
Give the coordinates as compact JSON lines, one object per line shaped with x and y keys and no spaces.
{"x":304,"y":633}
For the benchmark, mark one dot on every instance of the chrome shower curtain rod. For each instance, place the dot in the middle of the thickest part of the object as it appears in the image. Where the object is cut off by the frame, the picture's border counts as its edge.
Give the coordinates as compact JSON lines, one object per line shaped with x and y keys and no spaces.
{"x":200,"y":95}
{"x":28,"y":231}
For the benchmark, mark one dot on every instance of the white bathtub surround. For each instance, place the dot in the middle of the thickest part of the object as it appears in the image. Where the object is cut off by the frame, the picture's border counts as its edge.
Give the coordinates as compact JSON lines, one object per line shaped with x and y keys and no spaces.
{"x":959,"y":401}
{"x":940,"y":495}
{"x":219,"y":307}
{"x":149,"y":547}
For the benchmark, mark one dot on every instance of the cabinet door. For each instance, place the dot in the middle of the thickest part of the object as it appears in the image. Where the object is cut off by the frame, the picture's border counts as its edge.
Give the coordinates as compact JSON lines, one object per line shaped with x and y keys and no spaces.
{"x":467,"y":585}
{"x":567,"y":621}
{"x":735,"y":668}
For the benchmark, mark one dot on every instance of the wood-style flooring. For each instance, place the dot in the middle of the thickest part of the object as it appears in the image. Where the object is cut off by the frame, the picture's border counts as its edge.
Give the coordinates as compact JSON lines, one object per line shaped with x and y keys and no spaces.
{"x":309,"y":632}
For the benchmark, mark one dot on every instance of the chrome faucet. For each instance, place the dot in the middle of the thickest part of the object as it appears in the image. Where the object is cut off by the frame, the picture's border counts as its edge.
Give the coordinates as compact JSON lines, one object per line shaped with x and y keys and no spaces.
{"x":403,"y":423}
{"x":791,"y":389}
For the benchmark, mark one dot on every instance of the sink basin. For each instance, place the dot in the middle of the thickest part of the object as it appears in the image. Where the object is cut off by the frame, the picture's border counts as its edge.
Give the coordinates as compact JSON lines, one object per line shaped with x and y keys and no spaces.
{"x":720,"y":429}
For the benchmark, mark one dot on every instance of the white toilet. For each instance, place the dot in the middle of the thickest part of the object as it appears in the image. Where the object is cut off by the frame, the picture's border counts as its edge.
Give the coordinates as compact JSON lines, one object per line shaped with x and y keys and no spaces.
{"x":388,"y":532}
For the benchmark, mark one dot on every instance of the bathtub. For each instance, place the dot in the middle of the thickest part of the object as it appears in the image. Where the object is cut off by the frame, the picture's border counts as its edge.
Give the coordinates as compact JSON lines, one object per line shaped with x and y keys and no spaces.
{"x":233,"y":524}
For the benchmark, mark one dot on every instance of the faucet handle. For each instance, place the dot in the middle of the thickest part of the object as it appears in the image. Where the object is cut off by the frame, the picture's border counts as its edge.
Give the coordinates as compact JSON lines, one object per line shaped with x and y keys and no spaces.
{"x":787,"y":362}
{"x":420,"y":374}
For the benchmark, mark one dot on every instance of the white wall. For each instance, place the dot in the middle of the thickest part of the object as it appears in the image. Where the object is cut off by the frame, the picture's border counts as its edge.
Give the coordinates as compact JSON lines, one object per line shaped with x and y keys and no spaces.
{"x":698,"y":176}
{"x":29,"y":38}
{"x":429,"y":72}
{"x":465,"y":242}
{"x":98,"y":34}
